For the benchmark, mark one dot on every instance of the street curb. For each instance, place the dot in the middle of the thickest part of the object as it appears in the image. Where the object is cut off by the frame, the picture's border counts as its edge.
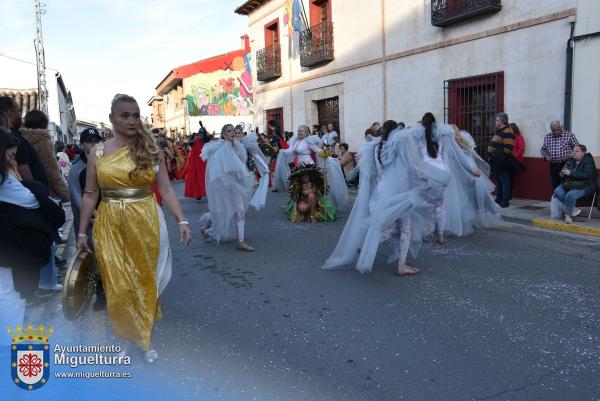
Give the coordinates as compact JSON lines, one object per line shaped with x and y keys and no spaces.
{"x":553,"y":225}
{"x":559,"y":226}
{"x":517,"y":220}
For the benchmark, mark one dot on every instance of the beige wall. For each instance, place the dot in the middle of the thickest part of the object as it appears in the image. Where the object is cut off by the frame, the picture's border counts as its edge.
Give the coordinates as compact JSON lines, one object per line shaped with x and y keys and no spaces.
{"x":353,"y":44}
{"x":531,"y":99}
{"x":409,"y":21}
{"x":526,"y":40}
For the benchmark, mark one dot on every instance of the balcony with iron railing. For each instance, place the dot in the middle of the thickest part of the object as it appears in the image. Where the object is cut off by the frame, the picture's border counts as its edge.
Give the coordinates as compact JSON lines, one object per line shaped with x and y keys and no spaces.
{"x":446,"y":12}
{"x":316,"y":45}
{"x":268,"y":62}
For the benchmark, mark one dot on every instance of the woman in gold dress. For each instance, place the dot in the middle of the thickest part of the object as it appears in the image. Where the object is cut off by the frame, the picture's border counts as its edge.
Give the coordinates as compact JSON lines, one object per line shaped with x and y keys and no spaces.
{"x":130,"y":238}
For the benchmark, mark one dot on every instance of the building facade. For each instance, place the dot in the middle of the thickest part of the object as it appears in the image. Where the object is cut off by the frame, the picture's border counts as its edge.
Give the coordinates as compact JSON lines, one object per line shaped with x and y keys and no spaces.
{"x":354,"y":62}
{"x":216,"y":91}
{"x":66,"y":111}
{"x":173,"y":104}
{"x":85,"y":124}
{"x":158,"y":112}
{"x":61,"y":111}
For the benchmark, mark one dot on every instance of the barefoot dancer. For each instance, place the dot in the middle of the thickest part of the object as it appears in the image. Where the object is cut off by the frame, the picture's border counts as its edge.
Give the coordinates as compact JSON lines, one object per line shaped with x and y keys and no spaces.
{"x":395,"y":201}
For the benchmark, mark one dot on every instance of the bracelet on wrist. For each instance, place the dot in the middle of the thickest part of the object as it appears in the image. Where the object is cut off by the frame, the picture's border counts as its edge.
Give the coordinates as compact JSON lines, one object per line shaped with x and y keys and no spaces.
{"x":80,"y":235}
{"x":183,"y":222}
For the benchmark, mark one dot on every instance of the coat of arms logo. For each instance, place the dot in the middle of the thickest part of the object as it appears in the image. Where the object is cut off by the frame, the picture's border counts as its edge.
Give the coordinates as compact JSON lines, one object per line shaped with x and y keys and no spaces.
{"x":30,"y":356}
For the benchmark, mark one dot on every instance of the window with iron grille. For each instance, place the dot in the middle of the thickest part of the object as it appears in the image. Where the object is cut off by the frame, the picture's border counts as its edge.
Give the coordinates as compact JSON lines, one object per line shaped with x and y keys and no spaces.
{"x":268,"y":60}
{"x":472,"y":103}
{"x":316,"y":42}
{"x":275,"y":115}
{"x":329,"y":112}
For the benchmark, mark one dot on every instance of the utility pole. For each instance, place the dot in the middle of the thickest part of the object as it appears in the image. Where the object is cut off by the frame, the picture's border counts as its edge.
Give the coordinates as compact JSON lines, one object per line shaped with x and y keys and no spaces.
{"x":40,"y":58}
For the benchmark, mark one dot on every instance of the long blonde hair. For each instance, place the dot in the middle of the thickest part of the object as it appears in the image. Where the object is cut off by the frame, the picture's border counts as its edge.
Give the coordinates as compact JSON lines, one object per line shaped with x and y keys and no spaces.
{"x":462,"y":142}
{"x":143,"y":148}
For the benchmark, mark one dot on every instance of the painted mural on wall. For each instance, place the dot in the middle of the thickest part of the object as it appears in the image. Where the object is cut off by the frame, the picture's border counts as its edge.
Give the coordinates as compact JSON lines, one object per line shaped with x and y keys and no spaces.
{"x":224,"y":92}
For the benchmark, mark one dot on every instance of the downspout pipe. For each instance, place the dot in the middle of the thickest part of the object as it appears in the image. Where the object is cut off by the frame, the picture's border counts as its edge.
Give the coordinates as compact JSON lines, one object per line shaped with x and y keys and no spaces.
{"x":569,"y":73}
{"x":569,"y":80}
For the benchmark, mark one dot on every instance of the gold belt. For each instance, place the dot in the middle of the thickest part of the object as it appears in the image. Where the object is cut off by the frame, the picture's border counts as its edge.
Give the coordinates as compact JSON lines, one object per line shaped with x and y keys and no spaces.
{"x":122,"y":196}
{"x":126,"y":194}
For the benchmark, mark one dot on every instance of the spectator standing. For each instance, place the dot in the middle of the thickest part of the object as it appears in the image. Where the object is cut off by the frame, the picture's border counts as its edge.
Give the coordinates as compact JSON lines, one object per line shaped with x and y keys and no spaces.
{"x":323,"y":131}
{"x":12,"y":307}
{"x":316,"y":130}
{"x":88,"y":138}
{"x":557,"y":150}
{"x":500,"y":150}
{"x":35,"y":130}
{"x":64,"y":163}
{"x":31,"y":170}
{"x":375,"y":129}
{"x":517,"y":152}
{"x":578,"y":180}
{"x":29,"y":220}
{"x":331,"y":138}
{"x":29,"y":165}
{"x":70,"y":151}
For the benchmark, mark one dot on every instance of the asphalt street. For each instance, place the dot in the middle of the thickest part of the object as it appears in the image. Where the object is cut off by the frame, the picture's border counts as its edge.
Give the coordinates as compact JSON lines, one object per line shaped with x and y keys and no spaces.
{"x":504,"y":314}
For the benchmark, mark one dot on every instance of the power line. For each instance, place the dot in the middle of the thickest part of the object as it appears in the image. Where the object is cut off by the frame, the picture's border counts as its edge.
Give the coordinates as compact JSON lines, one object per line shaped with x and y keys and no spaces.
{"x":24,"y":61}
{"x":91,"y":105}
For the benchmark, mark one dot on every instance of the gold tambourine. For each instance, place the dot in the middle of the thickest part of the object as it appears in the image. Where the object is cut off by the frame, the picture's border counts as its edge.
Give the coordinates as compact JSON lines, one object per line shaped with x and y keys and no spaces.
{"x":267,"y":149}
{"x":80,"y":284}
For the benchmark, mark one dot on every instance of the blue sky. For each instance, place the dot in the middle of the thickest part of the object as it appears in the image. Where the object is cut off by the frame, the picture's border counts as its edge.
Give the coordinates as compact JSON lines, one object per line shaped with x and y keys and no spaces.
{"x":103,"y":47}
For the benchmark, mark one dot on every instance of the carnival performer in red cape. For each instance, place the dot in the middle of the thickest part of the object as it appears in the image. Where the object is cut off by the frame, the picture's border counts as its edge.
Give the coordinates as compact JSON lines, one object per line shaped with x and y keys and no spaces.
{"x":195,"y":175}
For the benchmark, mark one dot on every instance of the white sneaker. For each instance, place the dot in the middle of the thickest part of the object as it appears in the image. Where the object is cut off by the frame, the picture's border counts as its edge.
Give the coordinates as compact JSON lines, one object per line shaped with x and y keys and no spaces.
{"x":576,"y":212}
{"x":568,"y":220}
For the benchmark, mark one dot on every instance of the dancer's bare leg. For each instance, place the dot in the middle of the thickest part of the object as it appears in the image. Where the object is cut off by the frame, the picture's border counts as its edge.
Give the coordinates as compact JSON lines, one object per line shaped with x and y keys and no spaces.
{"x":241,"y":226}
{"x":440,"y":223}
{"x":404,"y":269}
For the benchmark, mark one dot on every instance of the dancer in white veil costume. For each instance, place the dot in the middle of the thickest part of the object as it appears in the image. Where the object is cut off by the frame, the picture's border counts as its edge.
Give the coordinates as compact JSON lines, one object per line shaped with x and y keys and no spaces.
{"x":304,"y":150}
{"x":282,"y":164}
{"x":250,"y":143}
{"x":395,"y":201}
{"x":229,"y":187}
{"x":479,"y":188}
{"x":467,"y":202}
